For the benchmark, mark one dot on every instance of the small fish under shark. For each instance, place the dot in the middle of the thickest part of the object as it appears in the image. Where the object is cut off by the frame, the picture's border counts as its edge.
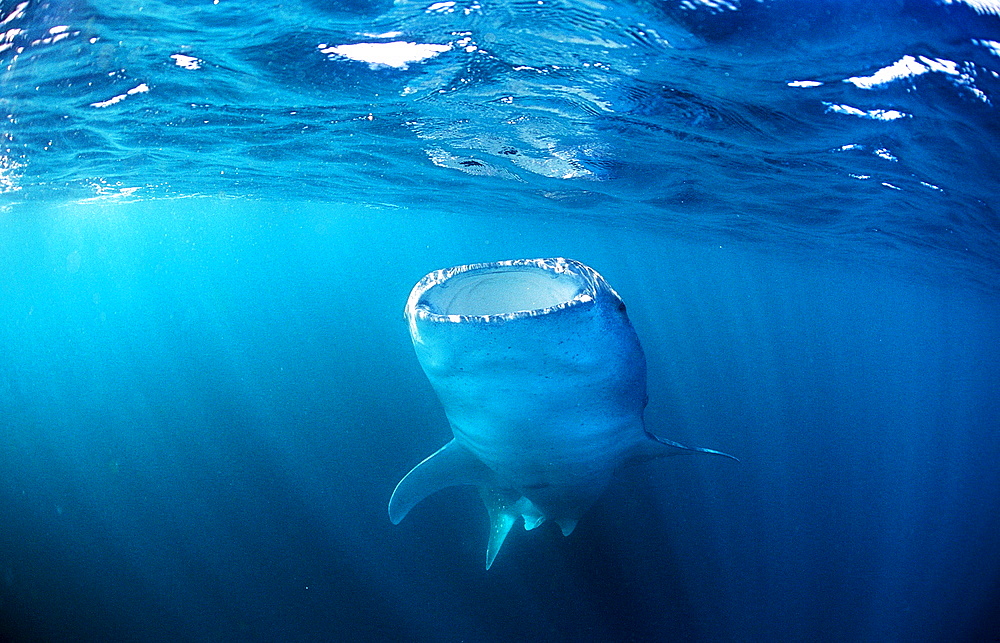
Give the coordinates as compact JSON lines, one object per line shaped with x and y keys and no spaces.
{"x":543,"y":381}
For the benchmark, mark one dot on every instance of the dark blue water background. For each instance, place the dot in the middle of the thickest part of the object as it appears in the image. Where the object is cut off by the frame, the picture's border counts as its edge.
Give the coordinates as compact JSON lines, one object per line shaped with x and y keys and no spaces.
{"x":211,"y":220}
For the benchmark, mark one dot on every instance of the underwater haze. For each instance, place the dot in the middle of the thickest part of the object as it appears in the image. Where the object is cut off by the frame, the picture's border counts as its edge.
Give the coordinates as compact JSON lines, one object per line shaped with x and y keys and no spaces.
{"x":212,"y":213}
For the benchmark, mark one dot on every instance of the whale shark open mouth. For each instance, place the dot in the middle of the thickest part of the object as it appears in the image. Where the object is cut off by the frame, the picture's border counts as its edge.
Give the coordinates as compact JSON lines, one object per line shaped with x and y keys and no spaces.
{"x":501,"y":290}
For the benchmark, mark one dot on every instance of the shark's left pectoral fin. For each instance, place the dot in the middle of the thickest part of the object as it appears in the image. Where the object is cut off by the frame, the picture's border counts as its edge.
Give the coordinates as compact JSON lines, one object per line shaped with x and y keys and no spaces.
{"x":449,"y":466}
{"x":657,"y":447}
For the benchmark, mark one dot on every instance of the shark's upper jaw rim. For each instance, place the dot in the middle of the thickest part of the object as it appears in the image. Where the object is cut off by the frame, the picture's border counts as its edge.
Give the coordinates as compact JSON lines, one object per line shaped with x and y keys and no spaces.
{"x":502,"y":290}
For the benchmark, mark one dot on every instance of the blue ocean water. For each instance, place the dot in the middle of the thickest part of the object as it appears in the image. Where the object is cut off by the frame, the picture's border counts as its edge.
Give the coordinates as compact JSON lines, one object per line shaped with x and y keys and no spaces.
{"x":212,"y":212}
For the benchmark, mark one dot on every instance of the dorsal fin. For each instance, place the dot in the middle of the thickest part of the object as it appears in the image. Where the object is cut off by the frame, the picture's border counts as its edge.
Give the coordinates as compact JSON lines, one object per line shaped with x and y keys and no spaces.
{"x":449,"y":466}
{"x":502,"y":518}
{"x":505,"y":506}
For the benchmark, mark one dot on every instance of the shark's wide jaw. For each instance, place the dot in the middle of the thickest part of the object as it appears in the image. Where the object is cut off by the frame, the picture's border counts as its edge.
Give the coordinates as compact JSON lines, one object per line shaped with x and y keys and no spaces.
{"x":543,"y":381}
{"x":499,"y":291}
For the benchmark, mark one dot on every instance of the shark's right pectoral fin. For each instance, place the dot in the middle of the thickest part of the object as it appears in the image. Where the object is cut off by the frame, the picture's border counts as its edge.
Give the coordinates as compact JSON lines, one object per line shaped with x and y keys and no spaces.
{"x":656,"y":447}
{"x":449,"y":466}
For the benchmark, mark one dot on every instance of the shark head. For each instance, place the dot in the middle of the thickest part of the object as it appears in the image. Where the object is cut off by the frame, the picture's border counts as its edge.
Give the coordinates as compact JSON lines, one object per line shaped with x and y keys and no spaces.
{"x":543,"y":381}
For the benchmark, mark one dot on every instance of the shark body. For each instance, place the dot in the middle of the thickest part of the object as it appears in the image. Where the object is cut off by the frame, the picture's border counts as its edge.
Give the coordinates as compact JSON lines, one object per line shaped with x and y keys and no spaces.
{"x":543,"y":381}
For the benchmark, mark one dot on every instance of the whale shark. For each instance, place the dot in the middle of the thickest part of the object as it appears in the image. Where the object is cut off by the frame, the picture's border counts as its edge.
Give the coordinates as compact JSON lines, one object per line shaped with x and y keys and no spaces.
{"x":543,"y":381}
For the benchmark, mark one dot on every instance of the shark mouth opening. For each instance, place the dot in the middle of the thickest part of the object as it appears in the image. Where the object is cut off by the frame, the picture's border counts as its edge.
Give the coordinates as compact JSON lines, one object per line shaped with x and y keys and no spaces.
{"x":502,"y":290}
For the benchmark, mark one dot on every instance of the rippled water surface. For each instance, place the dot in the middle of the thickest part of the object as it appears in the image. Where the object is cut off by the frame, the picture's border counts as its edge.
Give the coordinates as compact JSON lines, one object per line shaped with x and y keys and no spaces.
{"x":863,"y":125}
